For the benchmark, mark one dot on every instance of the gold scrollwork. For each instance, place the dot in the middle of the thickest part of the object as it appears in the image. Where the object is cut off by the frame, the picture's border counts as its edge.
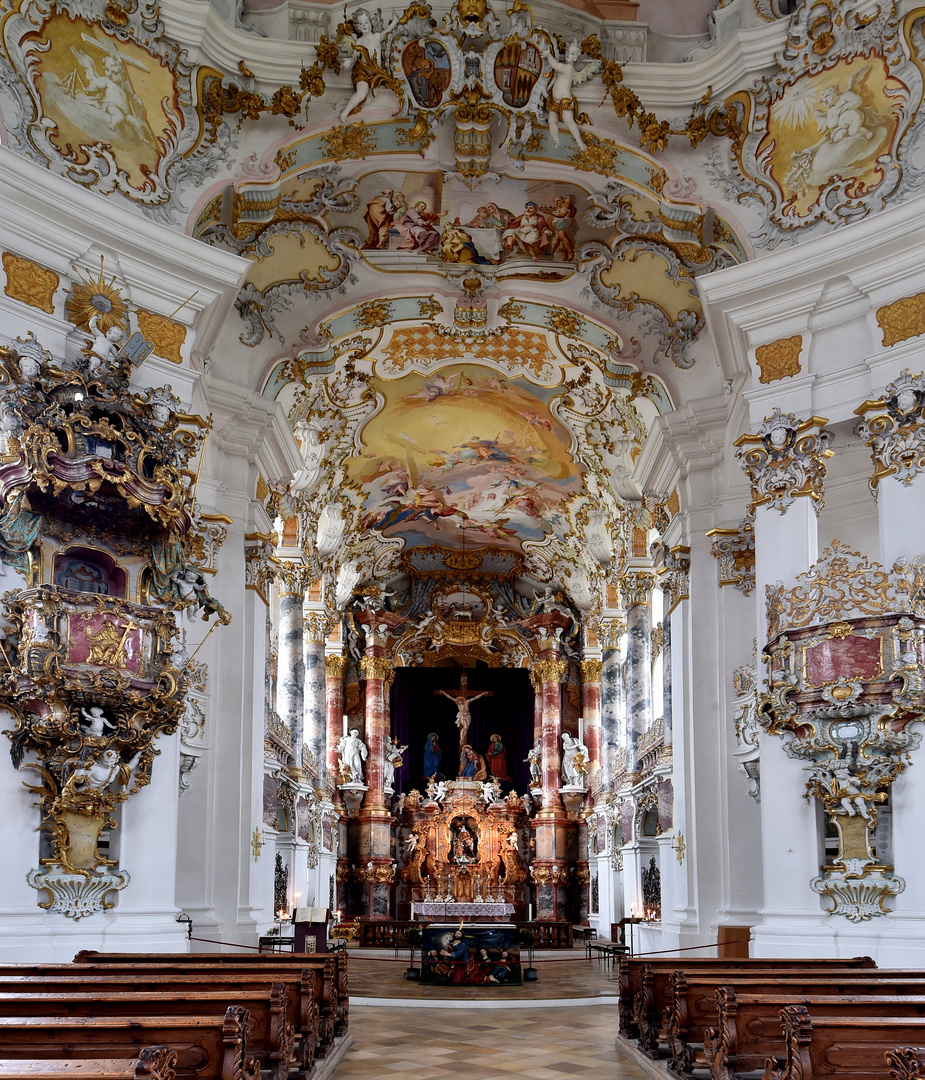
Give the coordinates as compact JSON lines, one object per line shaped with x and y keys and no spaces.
{"x":779,"y":359}
{"x":30,"y":283}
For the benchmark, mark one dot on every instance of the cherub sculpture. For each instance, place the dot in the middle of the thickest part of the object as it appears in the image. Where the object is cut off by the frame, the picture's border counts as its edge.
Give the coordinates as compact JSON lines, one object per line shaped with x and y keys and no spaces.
{"x":96,"y":722}
{"x":560,"y":105}
{"x":103,"y":346}
{"x":365,"y":65}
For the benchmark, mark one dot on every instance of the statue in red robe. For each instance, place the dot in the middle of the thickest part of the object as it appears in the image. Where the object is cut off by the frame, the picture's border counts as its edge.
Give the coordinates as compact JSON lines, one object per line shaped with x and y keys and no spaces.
{"x":496,"y":759}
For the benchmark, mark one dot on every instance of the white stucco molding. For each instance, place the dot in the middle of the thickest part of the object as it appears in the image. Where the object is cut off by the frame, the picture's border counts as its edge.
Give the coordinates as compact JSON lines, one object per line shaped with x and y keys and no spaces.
{"x":54,"y":221}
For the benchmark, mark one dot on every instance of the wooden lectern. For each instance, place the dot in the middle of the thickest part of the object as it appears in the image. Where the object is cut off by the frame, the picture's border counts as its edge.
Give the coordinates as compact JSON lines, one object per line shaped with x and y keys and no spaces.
{"x":310,"y":929}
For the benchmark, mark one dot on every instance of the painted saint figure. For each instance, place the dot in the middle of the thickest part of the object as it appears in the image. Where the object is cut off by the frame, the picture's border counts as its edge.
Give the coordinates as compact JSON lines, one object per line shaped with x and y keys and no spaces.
{"x":496,"y":758}
{"x":433,"y":754}
{"x":471,"y":764}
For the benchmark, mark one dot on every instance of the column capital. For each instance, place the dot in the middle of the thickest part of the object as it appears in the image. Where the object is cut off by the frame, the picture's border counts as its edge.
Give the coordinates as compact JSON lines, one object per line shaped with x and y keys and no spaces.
{"x":676,"y":579}
{"x":257,"y":572}
{"x":335,"y":666}
{"x":378,"y":667}
{"x":734,"y":549}
{"x":546,"y":671}
{"x":316,"y":624}
{"x":612,"y":629}
{"x":636,"y":587}
{"x":894,"y":429}
{"x":786,"y":459}
{"x":292,"y":577}
{"x":591,"y":670}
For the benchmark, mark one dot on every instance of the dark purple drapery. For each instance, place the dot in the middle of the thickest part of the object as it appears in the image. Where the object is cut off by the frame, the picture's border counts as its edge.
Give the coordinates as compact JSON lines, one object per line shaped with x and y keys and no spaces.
{"x":417,"y":710}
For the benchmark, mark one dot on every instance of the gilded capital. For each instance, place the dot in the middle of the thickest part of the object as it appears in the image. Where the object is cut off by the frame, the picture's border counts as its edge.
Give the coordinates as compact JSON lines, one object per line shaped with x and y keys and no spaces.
{"x":292,"y":577}
{"x":636,"y":588}
{"x":316,"y":625}
{"x":611,"y":632}
{"x":547,"y":671}
{"x":734,"y":550}
{"x":894,"y":429}
{"x":676,"y":579}
{"x":378,"y":667}
{"x":786,"y":459}
{"x":591,"y":670}
{"x":335,"y":666}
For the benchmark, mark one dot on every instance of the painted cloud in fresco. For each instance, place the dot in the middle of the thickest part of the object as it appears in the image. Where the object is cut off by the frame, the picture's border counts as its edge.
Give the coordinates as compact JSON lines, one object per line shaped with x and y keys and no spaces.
{"x":464,"y":449}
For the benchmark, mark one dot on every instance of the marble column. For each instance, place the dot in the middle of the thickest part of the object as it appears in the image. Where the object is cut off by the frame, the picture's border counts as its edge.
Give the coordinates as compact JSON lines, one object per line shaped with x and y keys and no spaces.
{"x":785,"y":465}
{"x":315,"y":624}
{"x":637,"y":597}
{"x":290,"y":663}
{"x":549,"y":874}
{"x":591,"y":669}
{"x":334,"y":667}
{"x":375,"y":868}
{"x":612,"y":699}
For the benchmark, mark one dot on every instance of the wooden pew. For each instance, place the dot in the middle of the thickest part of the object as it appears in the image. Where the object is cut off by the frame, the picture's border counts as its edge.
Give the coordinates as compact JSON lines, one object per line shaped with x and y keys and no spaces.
{"x":270,"y":1035}
{"x":318,"y":1013}
{"x":748,"y":1031}
{"x":206,"y":1046}
{"x":849,"y":1047}
{"x":176,"y":960}
{"x":153,"y":1063}
{"x":693,"y":1008}
{"x":908,"y":1063}
{"x":644,"y":985}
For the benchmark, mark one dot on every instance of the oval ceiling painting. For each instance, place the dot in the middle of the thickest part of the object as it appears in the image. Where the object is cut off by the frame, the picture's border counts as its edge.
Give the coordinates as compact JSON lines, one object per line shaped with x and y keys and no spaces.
{"x":464,"y":457}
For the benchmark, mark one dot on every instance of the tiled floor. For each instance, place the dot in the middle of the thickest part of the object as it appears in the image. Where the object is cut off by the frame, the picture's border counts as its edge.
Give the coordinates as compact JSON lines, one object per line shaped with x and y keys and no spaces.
{"x":461,"y":1044}
{"x":379,"y":973}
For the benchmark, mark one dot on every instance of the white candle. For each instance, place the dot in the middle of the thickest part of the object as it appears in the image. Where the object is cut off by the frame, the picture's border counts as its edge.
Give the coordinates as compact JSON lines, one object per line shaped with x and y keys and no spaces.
{"x":345,"y":723}
{"x":580,"y":729}
{"x":529,"y":913}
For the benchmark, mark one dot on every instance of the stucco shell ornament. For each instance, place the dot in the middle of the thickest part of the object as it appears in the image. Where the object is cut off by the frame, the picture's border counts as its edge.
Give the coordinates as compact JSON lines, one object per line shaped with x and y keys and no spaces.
{"x":100,"y":97}
{"x":835,"y":134}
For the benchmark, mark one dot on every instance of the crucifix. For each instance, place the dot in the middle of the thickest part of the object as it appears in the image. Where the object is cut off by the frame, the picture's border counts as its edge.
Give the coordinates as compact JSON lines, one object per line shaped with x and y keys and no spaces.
{"x":462,"y":699}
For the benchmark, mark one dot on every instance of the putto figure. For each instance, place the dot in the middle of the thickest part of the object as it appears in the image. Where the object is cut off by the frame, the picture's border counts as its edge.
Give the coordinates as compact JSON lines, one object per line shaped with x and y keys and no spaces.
{"x":560,"y":105}
{"x":366,"y":68}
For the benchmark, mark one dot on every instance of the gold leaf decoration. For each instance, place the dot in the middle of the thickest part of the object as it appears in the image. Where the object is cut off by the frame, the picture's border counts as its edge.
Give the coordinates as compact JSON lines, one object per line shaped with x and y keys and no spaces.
{"x":166,"y":335}
{"x":354,"y":141}
{"x":902,"y":319}
{"x":779,"y":359}
{"x":30,"y":283}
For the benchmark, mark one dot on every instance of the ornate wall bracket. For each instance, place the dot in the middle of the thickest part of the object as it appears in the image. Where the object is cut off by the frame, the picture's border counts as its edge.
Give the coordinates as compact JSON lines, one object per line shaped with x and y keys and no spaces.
{"x":786,"y":459}
{"x":895,"y":432}
{"x":77,"y":895}
{"x":734,"y":550}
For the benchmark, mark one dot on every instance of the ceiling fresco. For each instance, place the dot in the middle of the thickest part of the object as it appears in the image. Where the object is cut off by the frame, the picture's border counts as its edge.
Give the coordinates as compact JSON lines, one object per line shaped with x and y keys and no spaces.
{"x":464,"y":456}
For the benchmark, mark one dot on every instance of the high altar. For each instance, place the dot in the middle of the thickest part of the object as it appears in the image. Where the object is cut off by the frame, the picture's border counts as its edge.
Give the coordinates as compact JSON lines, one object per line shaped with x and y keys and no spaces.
{"x":463,"y":848}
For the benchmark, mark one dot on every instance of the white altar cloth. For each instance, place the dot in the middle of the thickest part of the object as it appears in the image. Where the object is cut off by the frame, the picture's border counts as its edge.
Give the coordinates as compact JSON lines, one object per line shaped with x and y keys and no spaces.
{"x":431,"y":910}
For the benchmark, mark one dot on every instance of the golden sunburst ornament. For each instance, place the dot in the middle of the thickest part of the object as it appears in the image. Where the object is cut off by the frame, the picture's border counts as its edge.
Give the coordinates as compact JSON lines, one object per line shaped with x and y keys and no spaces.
{"x":89,"y":298}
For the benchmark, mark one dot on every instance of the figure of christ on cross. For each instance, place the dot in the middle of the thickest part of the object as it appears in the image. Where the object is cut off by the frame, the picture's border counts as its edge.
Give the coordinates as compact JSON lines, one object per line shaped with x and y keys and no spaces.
{"x":462,"y":699}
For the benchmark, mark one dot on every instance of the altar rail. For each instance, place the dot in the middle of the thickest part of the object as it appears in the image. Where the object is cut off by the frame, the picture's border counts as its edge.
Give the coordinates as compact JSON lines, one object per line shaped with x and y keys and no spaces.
{"x":390,"y":933}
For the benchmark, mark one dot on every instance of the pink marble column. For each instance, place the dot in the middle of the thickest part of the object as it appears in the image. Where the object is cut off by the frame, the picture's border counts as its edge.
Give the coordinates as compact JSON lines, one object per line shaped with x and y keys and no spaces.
{"x":547,"y":673}
{"x":378,"y":671}
{"x":591,"y":710}
{"x":334,"y":668}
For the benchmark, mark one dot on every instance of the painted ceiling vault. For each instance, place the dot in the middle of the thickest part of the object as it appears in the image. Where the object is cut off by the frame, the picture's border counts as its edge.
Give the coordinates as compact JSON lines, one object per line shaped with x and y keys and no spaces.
{"x":474,"y":231}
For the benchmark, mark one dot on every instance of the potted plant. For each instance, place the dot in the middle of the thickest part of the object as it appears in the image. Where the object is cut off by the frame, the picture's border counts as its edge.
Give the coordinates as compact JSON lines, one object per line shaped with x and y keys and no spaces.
{"x":527,"y":938}
{"x":413,"y":936}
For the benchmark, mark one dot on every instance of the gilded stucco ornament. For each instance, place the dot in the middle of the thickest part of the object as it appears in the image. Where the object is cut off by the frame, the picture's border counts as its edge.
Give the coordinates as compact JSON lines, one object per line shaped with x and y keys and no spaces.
{"x":834,"y":134}
{"x":786,"y":459}
{"x":896,"y":431}
{"x":845,"y":688}
{"x":108,"y":102}
{"x":734,"y":550}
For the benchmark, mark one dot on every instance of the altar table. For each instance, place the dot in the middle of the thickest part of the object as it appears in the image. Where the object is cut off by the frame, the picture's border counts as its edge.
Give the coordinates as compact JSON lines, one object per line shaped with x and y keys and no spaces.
{"x":431,"y":910}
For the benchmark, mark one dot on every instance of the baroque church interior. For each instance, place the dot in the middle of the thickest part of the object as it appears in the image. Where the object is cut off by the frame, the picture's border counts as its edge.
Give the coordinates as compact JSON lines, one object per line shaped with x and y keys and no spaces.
{"x":463,"y":454}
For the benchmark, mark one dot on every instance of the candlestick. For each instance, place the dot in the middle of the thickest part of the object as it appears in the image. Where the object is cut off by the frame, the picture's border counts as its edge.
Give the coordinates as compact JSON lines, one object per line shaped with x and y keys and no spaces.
{"x":529,"y":913}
